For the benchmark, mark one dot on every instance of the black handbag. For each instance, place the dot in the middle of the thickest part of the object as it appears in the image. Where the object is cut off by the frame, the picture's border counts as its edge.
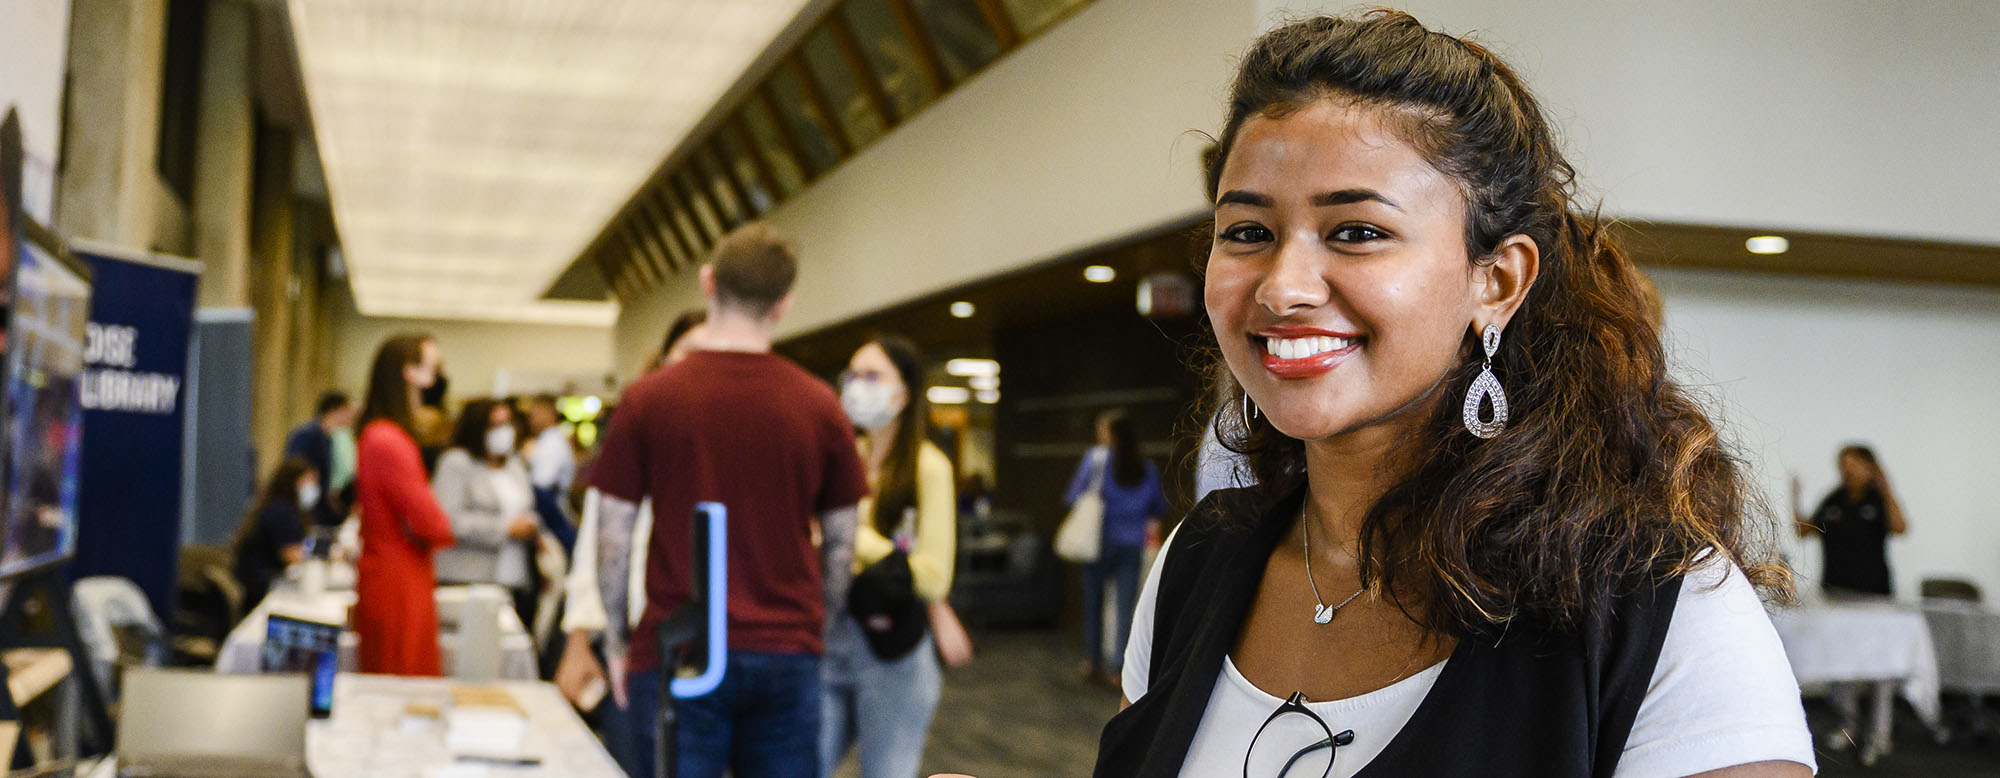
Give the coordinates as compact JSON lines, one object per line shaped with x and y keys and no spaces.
{"x":884,"y":603}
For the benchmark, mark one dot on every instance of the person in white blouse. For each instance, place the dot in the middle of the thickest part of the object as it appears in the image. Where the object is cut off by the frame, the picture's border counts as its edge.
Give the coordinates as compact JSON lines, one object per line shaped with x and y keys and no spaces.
{"x":484,"y":488}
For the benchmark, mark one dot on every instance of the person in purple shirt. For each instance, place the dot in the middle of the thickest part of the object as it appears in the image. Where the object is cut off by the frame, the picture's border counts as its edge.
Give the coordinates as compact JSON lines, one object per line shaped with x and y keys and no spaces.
{"x":1133,"y":505}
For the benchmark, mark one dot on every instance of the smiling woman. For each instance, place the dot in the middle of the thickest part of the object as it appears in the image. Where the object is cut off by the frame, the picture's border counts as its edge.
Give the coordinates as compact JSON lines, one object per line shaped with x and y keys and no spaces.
{"x":1489,"y":536}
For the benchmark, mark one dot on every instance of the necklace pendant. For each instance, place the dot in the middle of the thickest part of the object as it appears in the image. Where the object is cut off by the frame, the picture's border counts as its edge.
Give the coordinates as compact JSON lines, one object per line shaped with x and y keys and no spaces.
{"x":1323,"y":614}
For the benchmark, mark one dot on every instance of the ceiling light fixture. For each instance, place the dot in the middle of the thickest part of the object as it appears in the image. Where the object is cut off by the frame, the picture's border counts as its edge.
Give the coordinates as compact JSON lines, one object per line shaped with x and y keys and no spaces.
{"x":1100,"y":274}
{"x":962,"y":310}
{"x":984,"y":382}
{"x":473,"y":149}
{"x":972,"y":367}
{"x":988,"y":396}
{"x":1767,"y":244}
{"x":948,"y":395}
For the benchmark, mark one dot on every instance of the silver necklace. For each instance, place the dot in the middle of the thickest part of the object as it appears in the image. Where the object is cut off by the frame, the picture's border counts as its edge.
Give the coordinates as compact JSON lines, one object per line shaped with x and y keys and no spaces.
{"x":1322,"y":613}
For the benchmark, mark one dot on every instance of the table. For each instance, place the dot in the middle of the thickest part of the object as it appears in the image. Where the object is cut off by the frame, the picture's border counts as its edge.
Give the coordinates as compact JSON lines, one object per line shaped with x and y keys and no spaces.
{"x":365,"y":737}
{"x":1967,"y":636}
{"x":1878,"y":642}
{"x":369,"y":737}
{"x":242,"y":651}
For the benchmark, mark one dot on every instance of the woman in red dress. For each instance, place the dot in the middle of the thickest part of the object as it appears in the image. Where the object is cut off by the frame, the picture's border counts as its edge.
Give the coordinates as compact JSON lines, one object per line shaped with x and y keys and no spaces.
{"x":402,"y":526}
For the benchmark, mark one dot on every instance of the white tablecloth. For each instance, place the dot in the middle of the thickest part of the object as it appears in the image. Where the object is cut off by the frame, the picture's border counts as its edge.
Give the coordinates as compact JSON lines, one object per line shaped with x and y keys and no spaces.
{"x":1832,"y":640}
{"x":242,"y":651}
{"x":368,"y":737}
{"x":1967,"y":636}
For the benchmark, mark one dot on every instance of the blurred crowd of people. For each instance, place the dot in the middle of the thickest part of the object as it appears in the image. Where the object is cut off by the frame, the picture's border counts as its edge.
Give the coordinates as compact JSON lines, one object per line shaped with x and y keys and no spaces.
{"x":843,"y":520}
{"x":842,"y":512}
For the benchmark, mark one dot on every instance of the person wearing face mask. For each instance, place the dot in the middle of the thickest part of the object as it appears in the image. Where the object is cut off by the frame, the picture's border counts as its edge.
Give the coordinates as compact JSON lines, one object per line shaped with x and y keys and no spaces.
{"x":484,"y":487}
{"x":881,"y":678}
{"x":401,"y":525}
{"x":273,"y":534}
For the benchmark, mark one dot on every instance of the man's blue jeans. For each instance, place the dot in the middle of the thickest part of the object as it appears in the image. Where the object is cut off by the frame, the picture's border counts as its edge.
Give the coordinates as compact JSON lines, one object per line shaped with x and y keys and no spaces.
{"x":762,"y":722}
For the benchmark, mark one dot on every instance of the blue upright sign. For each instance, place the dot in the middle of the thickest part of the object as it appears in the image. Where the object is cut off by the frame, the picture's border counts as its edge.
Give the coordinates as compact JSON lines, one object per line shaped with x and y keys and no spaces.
{"x":135,"y":385}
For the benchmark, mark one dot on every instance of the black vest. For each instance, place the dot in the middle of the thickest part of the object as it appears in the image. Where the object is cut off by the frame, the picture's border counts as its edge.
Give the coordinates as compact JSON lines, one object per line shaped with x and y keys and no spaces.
{"x":1518,"y":702}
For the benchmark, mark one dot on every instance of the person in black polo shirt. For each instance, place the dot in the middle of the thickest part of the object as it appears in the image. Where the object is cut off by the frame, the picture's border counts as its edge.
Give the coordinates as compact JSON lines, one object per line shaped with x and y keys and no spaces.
{"x":1854,"y":523}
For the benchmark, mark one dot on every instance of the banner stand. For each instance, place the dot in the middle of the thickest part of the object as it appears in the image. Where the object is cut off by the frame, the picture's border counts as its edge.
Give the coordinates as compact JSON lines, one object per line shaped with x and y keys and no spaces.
{"x":135,"y":397}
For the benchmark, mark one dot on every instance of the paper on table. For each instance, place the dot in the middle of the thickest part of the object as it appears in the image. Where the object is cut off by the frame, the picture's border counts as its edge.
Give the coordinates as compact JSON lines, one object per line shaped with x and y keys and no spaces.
{"x":485,"y":723}
{"x":320,"y":608}
{"x":485,"y":733}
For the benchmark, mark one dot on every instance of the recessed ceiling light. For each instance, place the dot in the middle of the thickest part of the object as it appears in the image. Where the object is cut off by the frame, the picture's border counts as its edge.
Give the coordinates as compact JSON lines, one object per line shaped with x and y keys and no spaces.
{"x":988,"y":396}
{"x":948,"y":395}
{"x":984,"y":382}
{"x":1767,"y":244}
{"x":972,"y":367}
{"x":1100,"y":274}
{"x":962,"y":309}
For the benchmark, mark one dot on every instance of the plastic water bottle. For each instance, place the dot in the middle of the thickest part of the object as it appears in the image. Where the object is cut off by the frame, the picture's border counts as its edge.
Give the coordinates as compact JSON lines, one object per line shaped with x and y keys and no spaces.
{"x":312,"y":578}
{"x":478,"y":655}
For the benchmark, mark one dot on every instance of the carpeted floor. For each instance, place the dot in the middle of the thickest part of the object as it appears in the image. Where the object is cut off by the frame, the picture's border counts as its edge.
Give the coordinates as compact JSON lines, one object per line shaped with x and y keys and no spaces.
{"x":1020,"y":711}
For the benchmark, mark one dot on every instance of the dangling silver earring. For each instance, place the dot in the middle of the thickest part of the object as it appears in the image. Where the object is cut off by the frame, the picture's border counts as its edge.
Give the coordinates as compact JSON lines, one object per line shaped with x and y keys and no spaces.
{"x":1249,"y":409}
{"x":1486,"y":386}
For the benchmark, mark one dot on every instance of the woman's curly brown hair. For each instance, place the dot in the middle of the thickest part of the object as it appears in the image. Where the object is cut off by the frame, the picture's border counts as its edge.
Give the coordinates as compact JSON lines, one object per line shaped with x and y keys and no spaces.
{"x":1608,"y":474}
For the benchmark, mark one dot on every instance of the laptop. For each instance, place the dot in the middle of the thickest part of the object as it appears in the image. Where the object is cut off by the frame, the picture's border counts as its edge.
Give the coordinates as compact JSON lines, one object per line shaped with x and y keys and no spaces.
{"x":185,"y":723}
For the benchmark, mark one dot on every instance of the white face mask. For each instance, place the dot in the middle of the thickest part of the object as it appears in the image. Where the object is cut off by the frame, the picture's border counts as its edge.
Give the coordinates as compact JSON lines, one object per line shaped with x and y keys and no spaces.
{"x":308,"y":494}
{"x":870,"y":404}
{"x":500,"y":441}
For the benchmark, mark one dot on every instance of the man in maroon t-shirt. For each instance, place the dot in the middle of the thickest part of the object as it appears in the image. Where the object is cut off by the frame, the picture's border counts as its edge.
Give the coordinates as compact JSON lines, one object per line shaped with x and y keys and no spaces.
{"x":735,"y":424}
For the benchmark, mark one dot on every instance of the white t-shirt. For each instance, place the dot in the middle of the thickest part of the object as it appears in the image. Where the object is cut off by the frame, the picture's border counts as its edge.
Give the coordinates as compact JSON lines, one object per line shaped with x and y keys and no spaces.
{"x":583,"y":604}
{"x":553,"y":464}
{"x":516,"y":499}
{"x":1722,"y":694}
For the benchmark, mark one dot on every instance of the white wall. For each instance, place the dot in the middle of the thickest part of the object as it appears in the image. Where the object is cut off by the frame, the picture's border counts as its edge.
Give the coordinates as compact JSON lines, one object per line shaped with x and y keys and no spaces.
{"x":479,"y":354}
{"x":1799,"y":367}
{"x":34,"y":39}
{"x":1078,"y":138}
{"x":1843,"y":117}
{"x":1852,"y":118}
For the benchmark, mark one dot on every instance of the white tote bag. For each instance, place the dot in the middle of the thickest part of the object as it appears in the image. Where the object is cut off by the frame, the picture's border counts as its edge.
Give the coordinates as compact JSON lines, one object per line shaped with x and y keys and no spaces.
{"x":1082,"y":531}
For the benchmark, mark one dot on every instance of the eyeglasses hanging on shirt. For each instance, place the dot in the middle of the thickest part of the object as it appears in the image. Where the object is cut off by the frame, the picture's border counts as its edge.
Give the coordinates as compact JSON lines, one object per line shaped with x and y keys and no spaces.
{"x":1293,"y":743}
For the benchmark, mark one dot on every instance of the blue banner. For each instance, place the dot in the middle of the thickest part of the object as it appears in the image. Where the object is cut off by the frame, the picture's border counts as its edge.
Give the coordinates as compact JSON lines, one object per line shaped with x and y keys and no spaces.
{"x":135,"y":387}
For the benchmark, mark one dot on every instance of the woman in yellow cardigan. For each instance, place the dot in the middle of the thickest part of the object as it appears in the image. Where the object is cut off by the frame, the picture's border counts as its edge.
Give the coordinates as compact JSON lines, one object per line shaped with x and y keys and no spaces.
{"x":881,"y":689}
